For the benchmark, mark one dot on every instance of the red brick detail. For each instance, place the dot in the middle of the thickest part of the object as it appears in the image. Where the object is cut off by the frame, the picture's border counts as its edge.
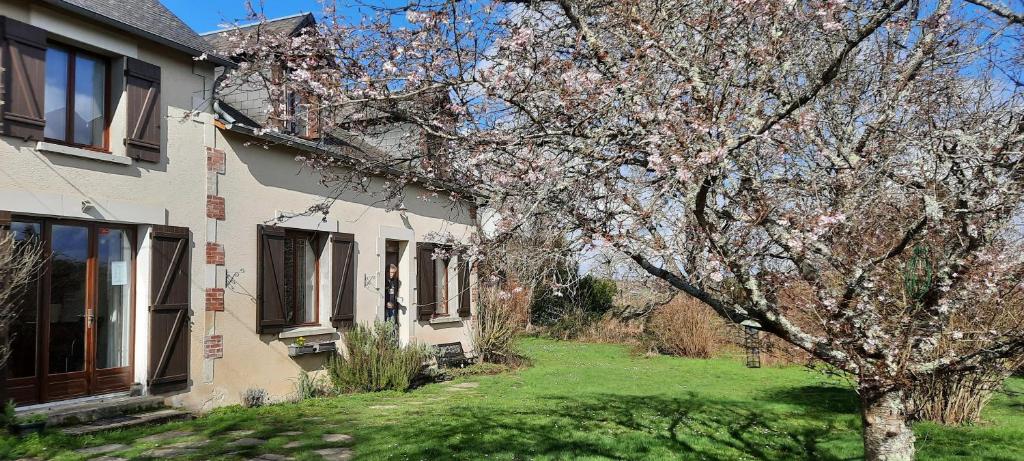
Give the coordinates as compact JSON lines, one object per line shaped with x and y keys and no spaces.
{"x":215,"y":160}
{"x":213,"y":347}
{"x":215,"y":207}
{"x":214,"y":253}
{"x":215,"y":299}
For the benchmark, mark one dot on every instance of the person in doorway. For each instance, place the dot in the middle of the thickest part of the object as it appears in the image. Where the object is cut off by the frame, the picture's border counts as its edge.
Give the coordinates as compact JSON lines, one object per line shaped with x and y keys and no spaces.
{"x":391,"y":286}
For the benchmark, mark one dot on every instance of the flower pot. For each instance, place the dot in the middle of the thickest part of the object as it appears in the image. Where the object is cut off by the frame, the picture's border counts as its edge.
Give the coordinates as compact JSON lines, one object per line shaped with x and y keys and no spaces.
{"x":26,"y":429}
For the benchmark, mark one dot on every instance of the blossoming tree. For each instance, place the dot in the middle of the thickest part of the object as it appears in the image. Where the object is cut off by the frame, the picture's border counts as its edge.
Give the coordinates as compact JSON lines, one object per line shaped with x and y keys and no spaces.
{"x":865,"y":153}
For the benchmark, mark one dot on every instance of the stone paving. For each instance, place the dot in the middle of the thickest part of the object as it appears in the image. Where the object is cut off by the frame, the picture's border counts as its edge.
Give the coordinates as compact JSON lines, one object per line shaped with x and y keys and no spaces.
{"x":238,"y":444}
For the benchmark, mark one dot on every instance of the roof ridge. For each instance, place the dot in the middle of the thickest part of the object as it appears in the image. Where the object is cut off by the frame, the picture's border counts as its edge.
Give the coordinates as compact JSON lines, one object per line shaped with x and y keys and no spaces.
{"x":255,"y":23}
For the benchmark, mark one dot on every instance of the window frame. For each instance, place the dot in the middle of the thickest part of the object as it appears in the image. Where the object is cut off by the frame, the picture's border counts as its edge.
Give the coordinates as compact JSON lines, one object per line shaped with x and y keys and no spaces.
{"x":69,"y":89}
{"x":293,"y":278}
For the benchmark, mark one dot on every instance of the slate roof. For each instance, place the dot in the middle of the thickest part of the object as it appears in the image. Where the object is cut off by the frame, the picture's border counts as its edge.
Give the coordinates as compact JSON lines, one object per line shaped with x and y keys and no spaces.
{"x":288,"y":25}
{"x":146,"y":18}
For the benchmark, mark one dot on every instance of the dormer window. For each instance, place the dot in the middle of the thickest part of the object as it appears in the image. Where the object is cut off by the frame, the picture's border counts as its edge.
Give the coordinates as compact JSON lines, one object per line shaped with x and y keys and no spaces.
{"x":76,"y":97}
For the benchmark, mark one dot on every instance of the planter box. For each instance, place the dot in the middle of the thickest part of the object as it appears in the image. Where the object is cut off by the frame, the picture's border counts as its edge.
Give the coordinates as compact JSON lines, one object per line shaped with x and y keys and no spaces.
{"x":23,"y":430}
{"x":295,"y":351}
{"x":326,"y":347}
{"x":316,"y":348}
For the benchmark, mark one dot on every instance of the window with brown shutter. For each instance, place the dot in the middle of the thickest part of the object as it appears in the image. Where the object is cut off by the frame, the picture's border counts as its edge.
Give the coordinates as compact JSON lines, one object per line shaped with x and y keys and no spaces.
{"x":144,"y":113}
{"x":289,"y":273}
{"x":426,"y":280}
{"x":343,"y":278}
{"x":24,"y":80}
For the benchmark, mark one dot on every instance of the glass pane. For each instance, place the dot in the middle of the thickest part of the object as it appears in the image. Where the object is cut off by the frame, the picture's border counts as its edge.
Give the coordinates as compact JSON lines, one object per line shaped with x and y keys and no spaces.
{"x":307,"y":281}
{"x":70,"y":253}
{"x":90,"y":92}
{"x":56,"y":94}
{"x":441,"y":279}
{"x":113,"y":313}
{"x":24,"y":328}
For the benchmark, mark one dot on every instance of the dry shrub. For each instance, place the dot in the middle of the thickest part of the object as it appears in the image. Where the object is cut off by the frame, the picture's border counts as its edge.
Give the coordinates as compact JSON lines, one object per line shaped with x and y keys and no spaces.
{"x":502,"y":316}
{"x":957,"y":398}
{"x":688,"y":328}
{"x":614,"y":330}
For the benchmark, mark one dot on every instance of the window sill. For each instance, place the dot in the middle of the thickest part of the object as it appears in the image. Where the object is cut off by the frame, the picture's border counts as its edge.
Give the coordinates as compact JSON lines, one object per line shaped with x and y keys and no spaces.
{"x":305,"y":331}
{"x":79,"y":152}
{"x":446,"y":319}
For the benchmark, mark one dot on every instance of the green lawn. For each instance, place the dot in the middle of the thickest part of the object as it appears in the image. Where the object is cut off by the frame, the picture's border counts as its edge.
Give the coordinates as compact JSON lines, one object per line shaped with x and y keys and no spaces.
{"x":578,"y":401}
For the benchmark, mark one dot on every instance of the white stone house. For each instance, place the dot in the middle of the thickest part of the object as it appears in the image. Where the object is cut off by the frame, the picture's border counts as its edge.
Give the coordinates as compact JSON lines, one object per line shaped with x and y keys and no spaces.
{"x":171,"y":271}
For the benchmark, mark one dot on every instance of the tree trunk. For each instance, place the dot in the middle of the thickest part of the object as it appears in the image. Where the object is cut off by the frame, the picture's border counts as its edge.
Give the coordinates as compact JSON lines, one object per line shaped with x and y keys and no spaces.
{"x":887,"y":436}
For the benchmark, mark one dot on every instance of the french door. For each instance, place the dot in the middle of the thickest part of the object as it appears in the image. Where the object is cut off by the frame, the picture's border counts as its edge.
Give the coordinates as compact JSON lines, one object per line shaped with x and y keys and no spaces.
{"x":73,"y":335}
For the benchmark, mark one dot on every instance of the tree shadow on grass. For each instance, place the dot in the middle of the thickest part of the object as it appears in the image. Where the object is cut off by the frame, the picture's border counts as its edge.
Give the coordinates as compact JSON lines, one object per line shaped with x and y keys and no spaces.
{"x":606,"y":426}
{"x":823,"y":399}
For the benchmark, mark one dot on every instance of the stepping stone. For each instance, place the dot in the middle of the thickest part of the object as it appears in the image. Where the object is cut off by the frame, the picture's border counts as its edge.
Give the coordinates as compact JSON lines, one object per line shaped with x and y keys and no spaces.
{"x":291,"y":445}
{"x":190,"y":444}
{"x":243,"y":433}
{"x":335,"y":438}
{"x":169,"y":452}
{"x":469,"y":385}
{"x":270,"y":457}
{"x":247,"y":442}
{"x":335,"y":454}
{"x":102,"y":449}
{"x":384,"y":407}
{"x":292,"y":433}
{"x":164,"y":436}
{"x":108,"y":458}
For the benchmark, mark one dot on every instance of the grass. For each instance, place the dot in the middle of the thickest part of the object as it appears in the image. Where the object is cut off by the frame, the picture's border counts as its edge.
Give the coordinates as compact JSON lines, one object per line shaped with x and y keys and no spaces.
{"x":578,"y":401}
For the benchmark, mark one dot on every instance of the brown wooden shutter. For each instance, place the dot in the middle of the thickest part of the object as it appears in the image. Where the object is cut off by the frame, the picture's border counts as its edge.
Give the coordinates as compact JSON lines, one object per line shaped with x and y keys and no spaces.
{"x":464,"y":292}
{"x":144,"y":113}
{"x":24,"y":82}
{"x":270,"y":303}
{"x":343,"y":278}
{"x":169,"y":309}
{"x":5,"y":225}
{"x":426,"y":281}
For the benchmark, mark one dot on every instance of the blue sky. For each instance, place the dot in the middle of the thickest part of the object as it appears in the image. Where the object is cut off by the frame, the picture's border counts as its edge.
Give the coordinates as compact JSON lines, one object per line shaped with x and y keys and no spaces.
{"x":207,"y":15}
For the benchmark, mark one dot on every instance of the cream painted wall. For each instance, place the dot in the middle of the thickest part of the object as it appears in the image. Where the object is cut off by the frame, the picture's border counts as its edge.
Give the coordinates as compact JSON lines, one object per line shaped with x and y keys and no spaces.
{"x":258,"y":185}
{"x":171,"y":192}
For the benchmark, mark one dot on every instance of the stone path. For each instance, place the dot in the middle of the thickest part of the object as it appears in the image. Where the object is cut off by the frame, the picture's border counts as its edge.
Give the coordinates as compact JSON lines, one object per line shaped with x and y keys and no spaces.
{"x":181,"y":443}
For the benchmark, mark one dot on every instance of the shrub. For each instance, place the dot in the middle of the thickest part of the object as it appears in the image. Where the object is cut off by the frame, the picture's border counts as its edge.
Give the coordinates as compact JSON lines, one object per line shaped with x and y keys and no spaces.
{"x":308,"y":386}
{"x":688,"y":328}
{"x":501,"y":320}
{"x":573,"y":302}
{"x":254,"y":397}
{"x":375,"y":361}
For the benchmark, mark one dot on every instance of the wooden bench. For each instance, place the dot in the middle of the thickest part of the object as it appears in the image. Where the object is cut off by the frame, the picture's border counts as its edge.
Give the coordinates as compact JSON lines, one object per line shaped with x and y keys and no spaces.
{"x":452,"y":355}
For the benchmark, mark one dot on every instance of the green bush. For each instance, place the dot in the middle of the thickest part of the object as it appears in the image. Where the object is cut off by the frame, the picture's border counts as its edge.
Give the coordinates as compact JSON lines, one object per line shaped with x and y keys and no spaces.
{"x":570,"y":310}
{"x":375,"y":361}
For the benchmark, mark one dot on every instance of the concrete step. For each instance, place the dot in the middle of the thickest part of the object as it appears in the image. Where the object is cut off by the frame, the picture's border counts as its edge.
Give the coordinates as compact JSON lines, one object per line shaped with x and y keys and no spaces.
{"x":59,"y":414}
{"x":126,"y":421}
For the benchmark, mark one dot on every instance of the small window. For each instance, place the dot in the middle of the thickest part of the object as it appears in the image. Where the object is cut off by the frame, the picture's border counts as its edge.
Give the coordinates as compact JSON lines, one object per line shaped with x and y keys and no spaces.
{"x":77,"y":87}
{"x":301,"y":268}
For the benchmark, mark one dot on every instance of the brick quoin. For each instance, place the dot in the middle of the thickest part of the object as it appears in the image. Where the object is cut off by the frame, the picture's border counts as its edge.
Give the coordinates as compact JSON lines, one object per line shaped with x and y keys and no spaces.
{"x":213,"y":347}
{"x":215,"y":207}
{"x":215,"y":160}
{"x":214,"y":253}
{"x":215,"y":299}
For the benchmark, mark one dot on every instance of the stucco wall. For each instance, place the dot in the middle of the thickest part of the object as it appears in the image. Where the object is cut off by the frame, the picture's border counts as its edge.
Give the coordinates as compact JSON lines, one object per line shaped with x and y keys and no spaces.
{"x":260,"y":184}
{"x":171,"y":192}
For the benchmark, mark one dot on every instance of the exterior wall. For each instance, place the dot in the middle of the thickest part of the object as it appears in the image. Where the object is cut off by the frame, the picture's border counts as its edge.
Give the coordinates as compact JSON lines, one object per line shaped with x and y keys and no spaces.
{"x":210,"y":182}
{"x":259,"y":185}
{"x":249,"y":97}
{"x":171,"y":192}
